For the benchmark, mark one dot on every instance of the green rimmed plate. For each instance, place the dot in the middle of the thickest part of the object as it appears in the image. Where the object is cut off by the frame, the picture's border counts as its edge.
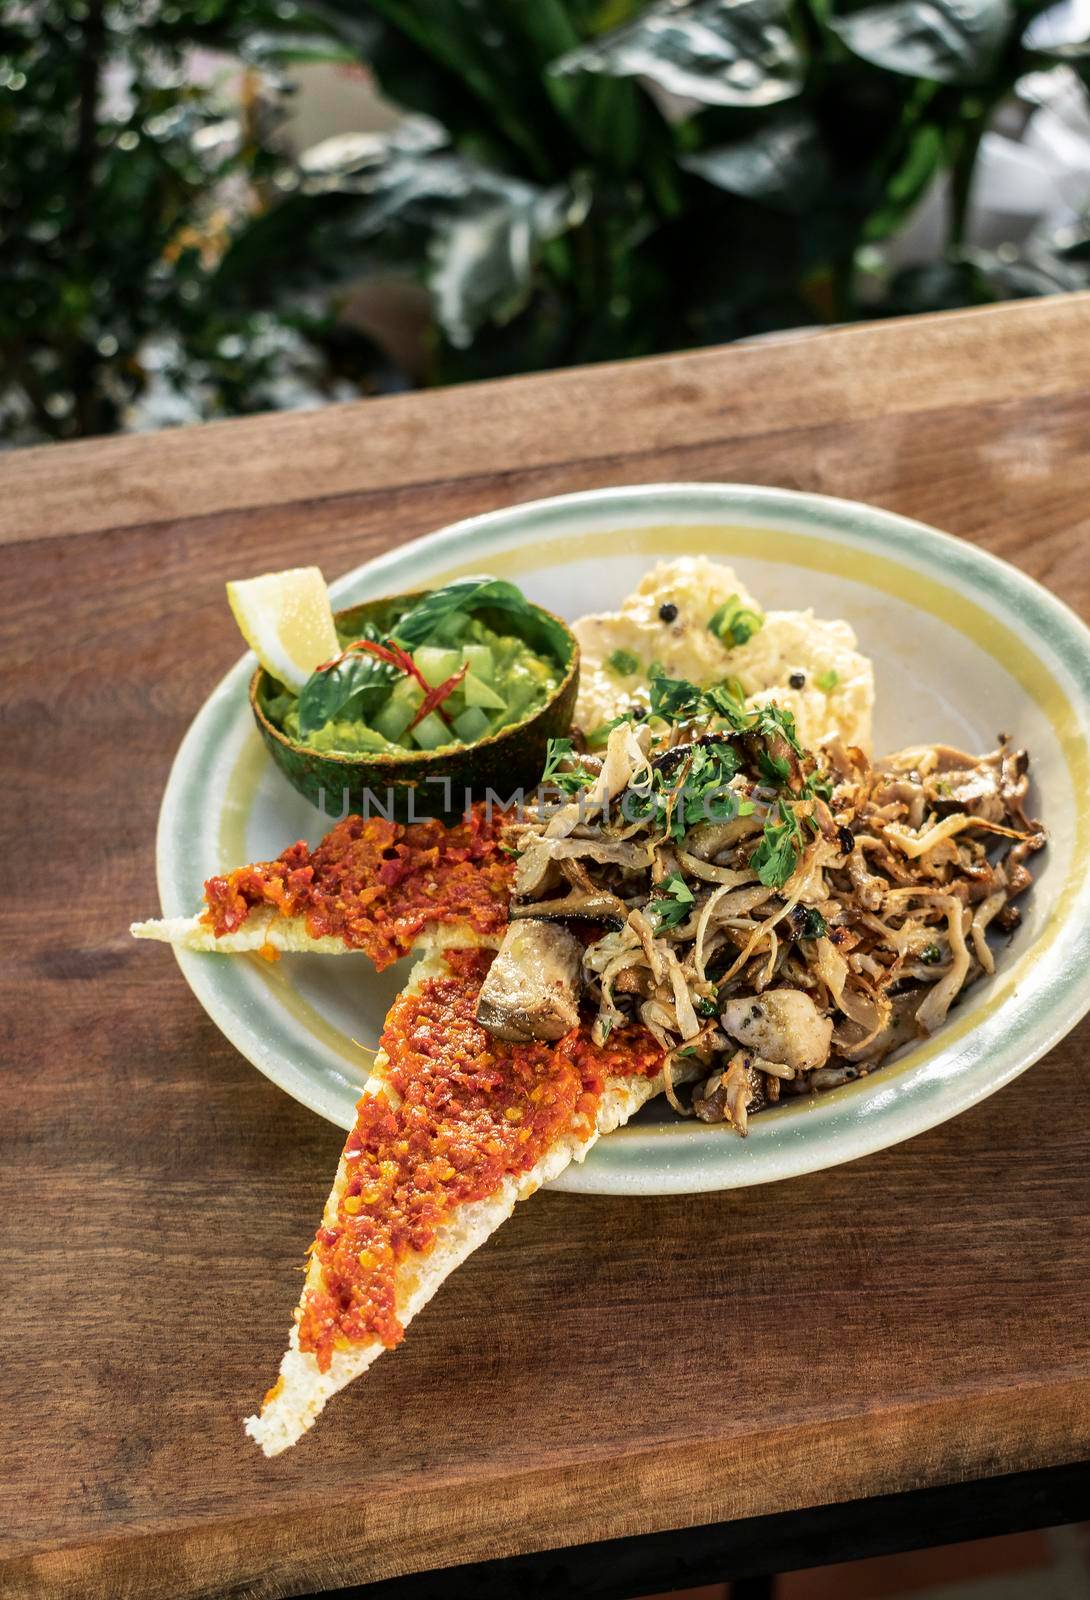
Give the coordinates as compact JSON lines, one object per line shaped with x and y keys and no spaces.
{"x":963,"y":646}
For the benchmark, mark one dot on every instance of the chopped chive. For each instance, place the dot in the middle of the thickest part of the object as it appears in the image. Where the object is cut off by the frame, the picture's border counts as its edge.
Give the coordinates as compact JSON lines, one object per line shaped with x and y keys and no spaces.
{"x":623,"y":662}
{"x":733,"y":623}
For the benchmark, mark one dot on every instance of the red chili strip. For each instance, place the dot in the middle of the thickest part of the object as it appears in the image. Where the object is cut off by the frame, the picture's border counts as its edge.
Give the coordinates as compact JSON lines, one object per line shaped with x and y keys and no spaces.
{"x":432,"y":701}
{"x":390,"y":652}
{"x":364,"y":647}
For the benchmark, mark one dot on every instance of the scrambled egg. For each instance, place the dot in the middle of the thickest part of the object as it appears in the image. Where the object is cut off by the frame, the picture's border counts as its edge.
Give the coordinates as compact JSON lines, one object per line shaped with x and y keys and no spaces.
{"x":810,"y":667}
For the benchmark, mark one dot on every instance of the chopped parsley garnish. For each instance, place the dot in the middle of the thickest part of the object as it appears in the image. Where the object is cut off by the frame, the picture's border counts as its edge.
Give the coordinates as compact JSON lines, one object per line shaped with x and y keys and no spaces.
{"x":675,"y":699}
{"x":930,"y":955}
{"x":605,"y":1027}
{"x":705,"y":1007}
{"x":623,"y":662}
{"x":776,"y":768}
{"x":674,"y":902}
{"x":705,"y":794}
{"x":678,"y":700}
{"x":814,"y":925}
{"x":772,"y":720}
{"x":827,"y":680}
{"x":777,"y":855}
{"x":600,"y":735}
{"x":819,"y":784}
{"x":571,"y":780}
{"x":640,"y":804}
{"x":735,"y":623}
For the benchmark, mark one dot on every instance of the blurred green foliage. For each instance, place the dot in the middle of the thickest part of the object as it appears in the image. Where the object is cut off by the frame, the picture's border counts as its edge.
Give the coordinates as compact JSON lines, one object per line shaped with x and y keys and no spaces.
{"x":580,"y":180}
{"x":592,"y":179}
{"x":120,"y":185}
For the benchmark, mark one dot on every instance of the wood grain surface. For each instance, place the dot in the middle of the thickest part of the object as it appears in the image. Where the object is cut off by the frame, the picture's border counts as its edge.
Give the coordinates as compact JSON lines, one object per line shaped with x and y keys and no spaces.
{"x":602,"y":1366}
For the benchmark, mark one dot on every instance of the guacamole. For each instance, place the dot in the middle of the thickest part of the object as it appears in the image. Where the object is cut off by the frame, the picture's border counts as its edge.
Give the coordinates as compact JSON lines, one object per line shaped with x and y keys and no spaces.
{"x":467,"y":682}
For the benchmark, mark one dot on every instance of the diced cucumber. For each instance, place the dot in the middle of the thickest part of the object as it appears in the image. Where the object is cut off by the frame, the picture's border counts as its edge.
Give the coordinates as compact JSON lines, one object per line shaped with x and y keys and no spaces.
{"x":478,"y":658}
{"x":394,"y":717}
{"x":437,"y":665}
{"x":431,"y":732}
{"x":406,"y":691}
{"x":520,"y":693}
{"x":472,"y":723}
{"x":479,"y":694}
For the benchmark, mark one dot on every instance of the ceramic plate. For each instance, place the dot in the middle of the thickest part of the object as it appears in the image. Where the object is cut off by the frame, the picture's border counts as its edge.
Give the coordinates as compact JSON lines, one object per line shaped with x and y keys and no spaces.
{"x":963,"y":646}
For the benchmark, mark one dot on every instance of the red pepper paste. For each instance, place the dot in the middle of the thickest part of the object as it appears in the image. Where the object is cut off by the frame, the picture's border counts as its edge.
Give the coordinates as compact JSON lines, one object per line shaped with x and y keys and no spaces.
{"x":473,"y":1110}
{"x":377,"y":884}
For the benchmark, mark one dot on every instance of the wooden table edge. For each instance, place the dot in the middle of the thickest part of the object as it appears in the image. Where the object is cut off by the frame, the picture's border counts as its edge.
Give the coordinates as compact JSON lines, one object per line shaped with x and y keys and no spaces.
{"x":405,"y":441}
{"x":863,"y":1455}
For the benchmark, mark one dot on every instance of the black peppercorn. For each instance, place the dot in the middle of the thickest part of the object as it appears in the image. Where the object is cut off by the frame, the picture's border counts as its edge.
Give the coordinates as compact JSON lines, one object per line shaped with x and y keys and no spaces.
{"x":668,"y":611}
{"x":797,"y":680}
{"x":845,"y":838}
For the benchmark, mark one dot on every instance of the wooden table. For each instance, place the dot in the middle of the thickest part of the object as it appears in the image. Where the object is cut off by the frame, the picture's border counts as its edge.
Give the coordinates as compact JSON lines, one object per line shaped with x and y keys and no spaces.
{"x":603,"y":1368}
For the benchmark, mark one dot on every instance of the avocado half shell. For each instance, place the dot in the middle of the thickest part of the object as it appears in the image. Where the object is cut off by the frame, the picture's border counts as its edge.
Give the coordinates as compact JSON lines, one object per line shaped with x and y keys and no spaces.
{"x":439,"y":782}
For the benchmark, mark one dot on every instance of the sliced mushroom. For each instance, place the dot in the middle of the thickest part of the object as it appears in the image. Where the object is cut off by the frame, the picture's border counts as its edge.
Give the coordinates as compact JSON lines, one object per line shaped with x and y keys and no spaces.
{"x":781,"y":1025}
{"x":533,"y":986}
{"x":601,"y":906}
{"x":730,"y":1095}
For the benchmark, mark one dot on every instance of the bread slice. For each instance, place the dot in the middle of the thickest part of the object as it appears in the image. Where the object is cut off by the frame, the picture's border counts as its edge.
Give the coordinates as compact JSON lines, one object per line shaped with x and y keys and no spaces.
{"x":263,"y":928}
{"x":302,"y":1389}
{"x":377,"y":886}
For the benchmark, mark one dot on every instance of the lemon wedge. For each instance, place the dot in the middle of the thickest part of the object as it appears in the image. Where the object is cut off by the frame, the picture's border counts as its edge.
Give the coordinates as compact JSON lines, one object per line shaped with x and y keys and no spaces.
{"x":286,"y":619}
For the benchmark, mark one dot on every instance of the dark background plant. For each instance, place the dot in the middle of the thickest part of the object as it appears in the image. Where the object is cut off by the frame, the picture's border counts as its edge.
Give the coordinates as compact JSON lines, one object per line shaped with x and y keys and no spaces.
{"x":121,"y":183}
{"x":579,"y":180}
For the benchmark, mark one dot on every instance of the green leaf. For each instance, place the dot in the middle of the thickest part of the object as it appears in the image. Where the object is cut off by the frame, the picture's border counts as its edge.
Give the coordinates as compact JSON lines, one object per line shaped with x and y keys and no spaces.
{"x":674,"y":902}
{"x":674,"y":699}
{"x":354,"y":688}
{"x":948,"y":41}
{"x":373,"y":198}
{"x":472,"y":67}
{"x":783,"y":163}
{"x":777,"y":855}
{"x":482,"y":594}
{"x":482,"y":260}
{"x":271,"y":49}
{"x":1057,"y":37}
{"x":569,"y":780}
{"x":919,"y":155}
{"x":716,"y":52}
{"x":598,"y":737}
{"x":937,"y":286}
{"x":705,"y":795}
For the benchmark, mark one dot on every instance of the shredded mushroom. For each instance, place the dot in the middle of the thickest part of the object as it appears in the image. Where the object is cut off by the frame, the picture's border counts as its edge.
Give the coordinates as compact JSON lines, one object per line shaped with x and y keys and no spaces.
{"x":787,"y":941}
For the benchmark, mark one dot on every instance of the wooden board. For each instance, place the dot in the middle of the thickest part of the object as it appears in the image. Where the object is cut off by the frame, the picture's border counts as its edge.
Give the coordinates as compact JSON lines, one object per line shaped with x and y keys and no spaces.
{"x":602,"y":1367}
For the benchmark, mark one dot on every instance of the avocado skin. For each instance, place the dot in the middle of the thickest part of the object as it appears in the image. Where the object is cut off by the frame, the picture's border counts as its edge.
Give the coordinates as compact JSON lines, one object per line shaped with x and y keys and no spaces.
{"x":503,"y":763}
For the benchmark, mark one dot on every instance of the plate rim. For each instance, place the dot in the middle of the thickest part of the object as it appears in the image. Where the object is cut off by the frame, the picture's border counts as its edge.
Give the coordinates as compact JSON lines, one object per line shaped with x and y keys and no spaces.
{"x":1055,"y":1011}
